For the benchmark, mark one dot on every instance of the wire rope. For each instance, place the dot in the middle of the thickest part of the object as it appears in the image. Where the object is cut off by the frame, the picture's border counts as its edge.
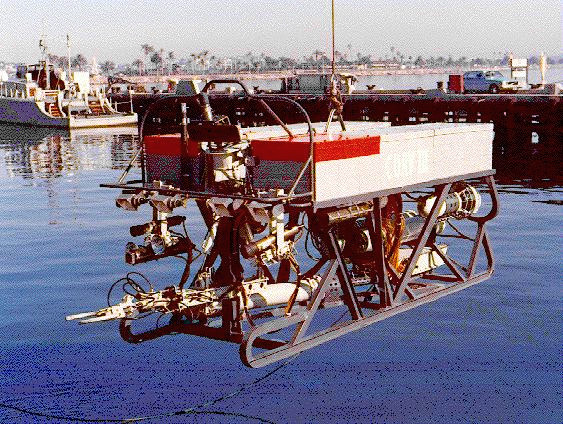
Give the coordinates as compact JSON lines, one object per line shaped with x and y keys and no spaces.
{"x":197,"y":409}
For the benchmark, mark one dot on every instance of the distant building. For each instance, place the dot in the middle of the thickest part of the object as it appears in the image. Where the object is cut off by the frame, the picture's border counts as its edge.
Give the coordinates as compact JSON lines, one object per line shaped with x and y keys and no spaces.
{"x":385,"y":65}
{"x":94,"y":68}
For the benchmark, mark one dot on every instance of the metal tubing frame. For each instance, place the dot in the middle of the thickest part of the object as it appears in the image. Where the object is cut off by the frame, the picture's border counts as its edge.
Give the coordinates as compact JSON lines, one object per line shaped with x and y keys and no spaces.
{"x":375,"y":229}
{"x":335,"y":267}
{"x":199,"y":329}
{"x":302,"y":320}
{"x":303,"y":343}
{"x":441,"y":192}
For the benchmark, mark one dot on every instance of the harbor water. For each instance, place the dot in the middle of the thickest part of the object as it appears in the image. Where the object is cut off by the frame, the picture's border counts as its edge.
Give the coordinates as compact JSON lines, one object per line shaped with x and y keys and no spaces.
{"x":425,"y":81}
{"x":488,"y":354}
{"x":389,"y":81}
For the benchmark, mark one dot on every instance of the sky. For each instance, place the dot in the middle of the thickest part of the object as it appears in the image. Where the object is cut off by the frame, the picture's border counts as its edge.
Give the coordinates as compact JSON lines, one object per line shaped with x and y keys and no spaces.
{"x":114,"y":30}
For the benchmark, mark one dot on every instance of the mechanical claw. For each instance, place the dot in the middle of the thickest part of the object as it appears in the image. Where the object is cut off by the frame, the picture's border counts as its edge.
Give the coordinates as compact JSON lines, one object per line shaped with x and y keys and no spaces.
{"x":126,"y":308}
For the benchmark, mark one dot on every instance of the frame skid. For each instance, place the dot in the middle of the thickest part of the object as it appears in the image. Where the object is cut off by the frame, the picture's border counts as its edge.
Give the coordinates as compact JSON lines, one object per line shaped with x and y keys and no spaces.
{"x":395,"y":294}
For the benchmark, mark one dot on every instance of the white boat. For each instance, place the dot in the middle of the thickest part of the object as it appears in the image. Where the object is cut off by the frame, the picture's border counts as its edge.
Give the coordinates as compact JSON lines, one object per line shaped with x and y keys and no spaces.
{"x":40,"y":96}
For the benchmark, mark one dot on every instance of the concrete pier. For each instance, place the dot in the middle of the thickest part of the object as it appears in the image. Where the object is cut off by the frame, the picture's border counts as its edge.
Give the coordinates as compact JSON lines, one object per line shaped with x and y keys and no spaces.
{"x":528,"y":127}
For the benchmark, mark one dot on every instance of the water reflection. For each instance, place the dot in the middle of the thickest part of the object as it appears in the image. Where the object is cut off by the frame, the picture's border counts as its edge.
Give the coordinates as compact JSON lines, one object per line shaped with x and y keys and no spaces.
{"x":47,"y":153}
{"x":51,"y":158}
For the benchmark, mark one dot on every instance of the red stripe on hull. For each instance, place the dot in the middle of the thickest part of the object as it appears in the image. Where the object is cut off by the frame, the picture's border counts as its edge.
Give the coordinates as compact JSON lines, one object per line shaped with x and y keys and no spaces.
{"x":346,"y":148}
{"x":279,"y":149}
{"x":298,"y":149}
{"x":168,"y":145}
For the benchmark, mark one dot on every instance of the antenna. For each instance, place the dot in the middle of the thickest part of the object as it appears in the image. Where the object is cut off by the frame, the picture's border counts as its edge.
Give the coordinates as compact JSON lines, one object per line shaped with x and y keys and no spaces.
{"x":44,"y":58}
{"x":43,"y":41}
{"x":333,"y":44}
{"x":68,"y":54}
{"x":335,"y":95}
{"x":43,"y":47}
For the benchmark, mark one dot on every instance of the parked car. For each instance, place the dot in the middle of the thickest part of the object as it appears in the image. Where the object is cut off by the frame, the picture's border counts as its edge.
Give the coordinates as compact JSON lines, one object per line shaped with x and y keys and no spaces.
{"x":487,"y":82}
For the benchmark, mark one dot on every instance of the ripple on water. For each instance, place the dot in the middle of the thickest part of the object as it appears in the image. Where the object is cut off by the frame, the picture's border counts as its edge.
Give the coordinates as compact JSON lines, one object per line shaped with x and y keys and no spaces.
{"x":487,"y":354}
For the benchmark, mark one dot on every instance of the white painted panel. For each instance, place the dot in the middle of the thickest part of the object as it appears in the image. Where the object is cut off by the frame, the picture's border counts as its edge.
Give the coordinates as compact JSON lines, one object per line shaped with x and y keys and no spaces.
{"x":458,"y":153}
{"x":408,"y":155}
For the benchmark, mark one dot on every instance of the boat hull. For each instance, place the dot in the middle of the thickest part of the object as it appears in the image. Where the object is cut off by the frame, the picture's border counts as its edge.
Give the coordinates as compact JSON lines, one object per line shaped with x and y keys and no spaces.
{"x":117,"y":120}
{"x":26,"y":112}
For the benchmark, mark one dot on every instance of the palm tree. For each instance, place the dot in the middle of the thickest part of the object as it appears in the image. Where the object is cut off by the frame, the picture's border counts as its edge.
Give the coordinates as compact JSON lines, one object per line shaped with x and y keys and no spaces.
{"x":147,"y":50}
{"x":195,"y":61}
{"x":79,"y":62}
{"x":318,"y":54}
{"x":338,"y":56}
{"x":212,"y":61}
{"x":249,"y":59}
{"x":287,"y":62}
{"x":58,"y":61}
{"x":161,"y":54}
{"x":364,"y":60}
{"x":139,"y":64}
{"x":107,"y":67}
{"x":171,"y":57}
{"x":157,"y":58}
{"x":202,"y":57}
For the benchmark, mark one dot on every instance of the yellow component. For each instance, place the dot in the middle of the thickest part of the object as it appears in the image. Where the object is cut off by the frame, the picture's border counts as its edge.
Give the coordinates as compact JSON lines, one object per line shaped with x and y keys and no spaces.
{"x":427,"y":261}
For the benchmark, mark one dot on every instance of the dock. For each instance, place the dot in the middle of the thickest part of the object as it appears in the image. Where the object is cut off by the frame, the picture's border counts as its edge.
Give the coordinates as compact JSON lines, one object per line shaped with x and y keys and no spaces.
{"x":528,"y":127}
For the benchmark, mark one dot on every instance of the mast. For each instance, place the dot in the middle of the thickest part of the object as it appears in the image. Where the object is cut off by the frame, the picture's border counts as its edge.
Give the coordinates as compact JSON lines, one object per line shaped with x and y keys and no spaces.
{"x":68,"y":54}
{"x":335,"y":97}
{"x":45,"y":60}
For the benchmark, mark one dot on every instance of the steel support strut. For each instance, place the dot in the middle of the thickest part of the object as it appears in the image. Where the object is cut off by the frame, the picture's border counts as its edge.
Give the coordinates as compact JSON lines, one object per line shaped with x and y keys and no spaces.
{"x":349,"y":294}
{"x":441,"y":193}
{"x":300,"y":342}
{"x":301,"y":319}
{"x":375,"y":229}
{"x":306,"y":342}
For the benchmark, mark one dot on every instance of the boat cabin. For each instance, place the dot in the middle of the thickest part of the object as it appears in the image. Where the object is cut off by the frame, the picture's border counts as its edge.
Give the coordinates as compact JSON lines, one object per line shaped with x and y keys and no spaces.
{"x":44,"y":74}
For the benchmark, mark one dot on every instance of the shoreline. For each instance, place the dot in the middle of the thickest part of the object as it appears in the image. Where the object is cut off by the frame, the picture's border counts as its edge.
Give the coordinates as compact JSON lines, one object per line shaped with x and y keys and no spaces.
{"x":273,"y":75}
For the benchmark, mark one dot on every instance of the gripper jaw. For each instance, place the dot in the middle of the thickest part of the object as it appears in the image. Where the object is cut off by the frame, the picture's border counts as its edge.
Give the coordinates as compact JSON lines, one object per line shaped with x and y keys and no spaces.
{"x":125,"y":309}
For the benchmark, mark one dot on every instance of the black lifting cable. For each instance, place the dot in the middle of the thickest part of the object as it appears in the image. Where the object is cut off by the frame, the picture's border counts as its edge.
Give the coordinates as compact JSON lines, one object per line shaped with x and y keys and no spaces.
{"x":104,"y":420}
{"x":196,"y":410}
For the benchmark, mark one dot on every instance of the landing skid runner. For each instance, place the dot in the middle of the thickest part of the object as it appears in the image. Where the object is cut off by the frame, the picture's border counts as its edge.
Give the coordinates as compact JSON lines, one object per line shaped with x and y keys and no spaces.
{"x":375,"y":258}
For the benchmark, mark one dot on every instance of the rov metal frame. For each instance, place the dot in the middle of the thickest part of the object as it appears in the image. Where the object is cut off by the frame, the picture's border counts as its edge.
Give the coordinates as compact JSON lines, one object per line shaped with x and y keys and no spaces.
{"x":393,"y":290}
{"x":396,"y":291}
{"x":395,"y":295}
